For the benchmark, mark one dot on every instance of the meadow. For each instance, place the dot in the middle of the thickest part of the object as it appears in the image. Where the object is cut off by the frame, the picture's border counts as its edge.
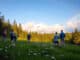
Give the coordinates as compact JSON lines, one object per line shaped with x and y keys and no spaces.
{"x":38,"y":51}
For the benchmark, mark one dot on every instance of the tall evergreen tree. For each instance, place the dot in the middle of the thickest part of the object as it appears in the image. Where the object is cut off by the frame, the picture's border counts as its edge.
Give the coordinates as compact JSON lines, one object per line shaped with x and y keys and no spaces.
{"x":19,"y":30}
{"x":8,"y":27}
{"x":1,"y":24}
{"x":15,"y":26}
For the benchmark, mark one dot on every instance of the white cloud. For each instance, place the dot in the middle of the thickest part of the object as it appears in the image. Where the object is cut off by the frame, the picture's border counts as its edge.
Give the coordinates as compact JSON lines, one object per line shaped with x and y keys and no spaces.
{"x":42,"y":28}
{"x":73,"y":23}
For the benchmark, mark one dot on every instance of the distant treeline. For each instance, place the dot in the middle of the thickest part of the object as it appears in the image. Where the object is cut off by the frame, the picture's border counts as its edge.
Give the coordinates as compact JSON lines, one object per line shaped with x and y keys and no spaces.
{"x":73,"y":37}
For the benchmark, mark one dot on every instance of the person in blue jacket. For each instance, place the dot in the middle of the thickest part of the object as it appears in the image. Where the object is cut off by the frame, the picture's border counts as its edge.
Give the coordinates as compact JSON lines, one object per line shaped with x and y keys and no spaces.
{"x":62,"y":36}
{"x":56,"y":37}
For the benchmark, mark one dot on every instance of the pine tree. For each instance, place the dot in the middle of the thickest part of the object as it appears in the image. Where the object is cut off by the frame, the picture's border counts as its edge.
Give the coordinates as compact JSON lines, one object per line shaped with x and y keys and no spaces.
{"x":14,"y":27}
{"x":1,"y":24}
{"x":8,"y":28}
{"x":20,"y":28}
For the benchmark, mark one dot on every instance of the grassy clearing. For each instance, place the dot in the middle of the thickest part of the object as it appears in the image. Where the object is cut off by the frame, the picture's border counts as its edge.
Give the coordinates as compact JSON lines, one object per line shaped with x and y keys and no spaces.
{"x":38,"y":51}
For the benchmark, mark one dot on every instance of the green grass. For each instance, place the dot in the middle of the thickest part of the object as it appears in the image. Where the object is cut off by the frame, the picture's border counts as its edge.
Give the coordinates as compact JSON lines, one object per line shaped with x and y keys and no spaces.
{"x":38,"y":51}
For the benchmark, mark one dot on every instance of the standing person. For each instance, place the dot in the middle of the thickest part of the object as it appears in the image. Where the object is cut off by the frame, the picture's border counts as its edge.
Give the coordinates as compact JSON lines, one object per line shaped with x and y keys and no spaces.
{"x":29,"y":37}
{"x":62,"y":36}
{"x":4,"y":35}
{"x":56,"y":37}
{"x":13,"y":37}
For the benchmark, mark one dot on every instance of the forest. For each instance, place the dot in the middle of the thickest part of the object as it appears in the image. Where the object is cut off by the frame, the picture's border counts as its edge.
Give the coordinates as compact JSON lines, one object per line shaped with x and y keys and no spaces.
{"x":71,"y":37}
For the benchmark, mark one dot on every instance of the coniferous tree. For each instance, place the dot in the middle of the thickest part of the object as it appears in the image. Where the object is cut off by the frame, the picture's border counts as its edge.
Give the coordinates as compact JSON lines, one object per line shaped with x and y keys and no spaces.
{"x":14,"y":27}
{"x":8,"y":28}
{"x":1,"y":24}
{"x":20,"y":28}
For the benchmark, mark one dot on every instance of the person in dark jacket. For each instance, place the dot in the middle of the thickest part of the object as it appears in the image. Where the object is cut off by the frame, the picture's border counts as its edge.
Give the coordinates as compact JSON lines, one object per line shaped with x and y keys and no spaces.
{"x":13,"y":37}
{"x":29,"y":37}
{"x":62,"y":36}
{"x":4,"y":34}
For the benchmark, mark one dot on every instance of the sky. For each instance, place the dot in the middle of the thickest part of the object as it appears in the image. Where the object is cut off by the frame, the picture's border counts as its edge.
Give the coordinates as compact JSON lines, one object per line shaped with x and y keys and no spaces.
{"x":40,"y":12}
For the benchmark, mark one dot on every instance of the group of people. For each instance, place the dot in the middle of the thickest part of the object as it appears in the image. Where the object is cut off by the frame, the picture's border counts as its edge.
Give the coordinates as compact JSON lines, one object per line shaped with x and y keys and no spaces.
{"x":56,"y":39}
{"x":12,"y":36}
{"x":60,"y":37}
